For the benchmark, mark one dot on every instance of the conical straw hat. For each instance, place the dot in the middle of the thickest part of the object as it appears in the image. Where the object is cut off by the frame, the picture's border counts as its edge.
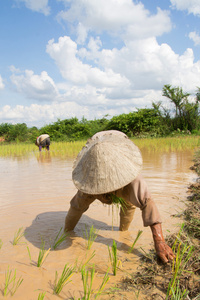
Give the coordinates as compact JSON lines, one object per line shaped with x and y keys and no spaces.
{"x":108,"y":162}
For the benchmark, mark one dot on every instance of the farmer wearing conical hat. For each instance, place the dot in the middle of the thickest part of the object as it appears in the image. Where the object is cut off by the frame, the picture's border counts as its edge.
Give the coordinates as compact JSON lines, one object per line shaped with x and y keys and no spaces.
{"x":43,"y":141}
{"x":109,"y":166}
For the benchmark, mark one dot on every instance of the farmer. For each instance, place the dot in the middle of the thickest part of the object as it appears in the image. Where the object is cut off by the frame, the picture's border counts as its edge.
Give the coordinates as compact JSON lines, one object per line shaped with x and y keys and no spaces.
{"x":108,"y":168}
{"x":43,"y":141}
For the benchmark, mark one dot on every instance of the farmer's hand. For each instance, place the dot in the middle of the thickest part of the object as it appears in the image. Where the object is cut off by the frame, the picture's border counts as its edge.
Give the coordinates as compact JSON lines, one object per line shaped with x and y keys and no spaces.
{"x":162,"y":249}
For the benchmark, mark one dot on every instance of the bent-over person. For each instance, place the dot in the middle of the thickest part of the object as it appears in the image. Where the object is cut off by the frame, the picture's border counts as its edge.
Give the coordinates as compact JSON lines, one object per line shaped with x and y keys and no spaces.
{"x":43,"y":141}
{"x":110,"y":165}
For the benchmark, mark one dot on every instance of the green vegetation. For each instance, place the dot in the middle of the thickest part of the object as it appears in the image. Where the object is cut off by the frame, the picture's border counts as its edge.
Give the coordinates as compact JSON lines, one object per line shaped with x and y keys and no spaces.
{"x":179,"y":115}
{"x":41,"y":296}
{"x":60,"y":238}
{"x":178,"y":279}
{"x":135,"y":241}
{"x":42,"y":255}
{"x":11,"y":280}
{"x":87,"y":282}
{"x":90,"y":236}
{"x":17,"y":236}
{"x":113,"y":257}
{"x":120,"y":202}
{"x":63,"y":280}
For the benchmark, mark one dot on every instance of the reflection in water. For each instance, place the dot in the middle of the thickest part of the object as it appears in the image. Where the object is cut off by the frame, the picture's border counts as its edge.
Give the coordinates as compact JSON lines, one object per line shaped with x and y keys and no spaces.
{"x":44,"y":157}
{"x":35,"y":195}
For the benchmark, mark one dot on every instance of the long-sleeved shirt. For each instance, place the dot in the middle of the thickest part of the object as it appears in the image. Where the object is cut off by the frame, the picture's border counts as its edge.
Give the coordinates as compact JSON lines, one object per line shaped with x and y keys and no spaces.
{"x":135,"y":194}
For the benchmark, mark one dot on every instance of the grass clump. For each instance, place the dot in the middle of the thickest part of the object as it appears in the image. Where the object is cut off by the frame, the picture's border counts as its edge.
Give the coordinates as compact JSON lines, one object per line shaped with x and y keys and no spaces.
{"x":103,"y":284}
{"x":9,"y":279}
{"x":18,"y":235}
{"x":42,"y":255}
{"x":60,"y":238}
{"x":90,"y":236}
{"x":87,"y":279}
{"x":63,"y":280}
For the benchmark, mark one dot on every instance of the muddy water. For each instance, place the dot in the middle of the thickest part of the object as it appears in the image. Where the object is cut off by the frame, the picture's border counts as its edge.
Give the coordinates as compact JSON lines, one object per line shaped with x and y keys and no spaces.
{"x":35,"y":195}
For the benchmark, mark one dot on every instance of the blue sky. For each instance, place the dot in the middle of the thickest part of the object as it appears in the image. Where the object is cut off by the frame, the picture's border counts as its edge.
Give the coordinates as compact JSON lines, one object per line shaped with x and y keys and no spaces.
{"x":91,"y":58}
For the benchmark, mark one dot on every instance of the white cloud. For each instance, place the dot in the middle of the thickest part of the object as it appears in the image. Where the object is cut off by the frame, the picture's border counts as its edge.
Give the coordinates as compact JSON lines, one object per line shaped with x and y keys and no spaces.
{"x":192,"y":6}
{"x":66,"y":56}
{"x":39,"y":87}
{"x":38,"y":115}
{"x":121,"y":73}
{"x":40,"y":6}
{"x":2,"y":85}
{"x":124,"y":18}
{"x":195,"y":37}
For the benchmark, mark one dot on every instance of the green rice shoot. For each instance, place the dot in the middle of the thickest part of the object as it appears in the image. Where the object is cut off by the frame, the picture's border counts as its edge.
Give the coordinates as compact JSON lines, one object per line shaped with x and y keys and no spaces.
{"x":113,"y":257}
{"x":42,"y":255}
{"x":41,"y":295}
{"x":90,"y":236}
{"x":87,"y":279}
{"x":63,"y":280}
{"x":59,"y":239}
{"x":85,"y":262}
{"x":29,"y":254}
{"x":103,"y":284}
{"x":17,"y":236}
{"x":9,"y":279}
{"x":135,"y":241}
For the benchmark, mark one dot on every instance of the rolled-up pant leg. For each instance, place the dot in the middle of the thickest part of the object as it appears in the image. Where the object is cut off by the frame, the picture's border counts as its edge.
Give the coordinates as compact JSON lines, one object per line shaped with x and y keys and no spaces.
{"x":78,"y":205}
{"x":126,"y":216}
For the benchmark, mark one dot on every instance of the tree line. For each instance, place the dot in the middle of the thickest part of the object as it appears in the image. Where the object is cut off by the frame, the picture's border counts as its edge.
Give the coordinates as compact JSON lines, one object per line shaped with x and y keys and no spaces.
{"x":183,"y":117}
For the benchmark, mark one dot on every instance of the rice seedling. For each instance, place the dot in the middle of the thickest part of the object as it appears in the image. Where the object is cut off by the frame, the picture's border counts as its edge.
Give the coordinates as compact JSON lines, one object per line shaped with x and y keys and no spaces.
{"x":87,"y":286}
{"x":120,"y":202}
{"x":167,"y":144}
{"x":15,"y":284}
{"x":63,"y":280}
{"x":183,"y":255}
{"x":42,"y":255}
{"x":41,"y":296}
{"x":29,"y":254}
{"x":16,"y":149}
{"x":103,"y":284}
{"x":61,"y":237}
{"x":177,"y":294}
{"x":113,"y":257}
{"x":17,"y":236}
{"x":1,"y":243}
{"x":90,"y":236}
{"x":135,"y":241}
{"x":86,"y":262}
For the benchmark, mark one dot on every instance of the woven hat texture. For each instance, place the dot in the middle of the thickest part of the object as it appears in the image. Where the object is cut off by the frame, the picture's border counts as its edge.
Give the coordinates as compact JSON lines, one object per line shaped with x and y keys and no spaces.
{"x":108,"y":162}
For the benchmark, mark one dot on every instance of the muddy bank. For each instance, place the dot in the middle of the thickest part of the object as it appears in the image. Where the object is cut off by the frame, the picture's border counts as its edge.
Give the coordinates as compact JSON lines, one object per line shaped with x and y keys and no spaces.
{"x":153,"y":280}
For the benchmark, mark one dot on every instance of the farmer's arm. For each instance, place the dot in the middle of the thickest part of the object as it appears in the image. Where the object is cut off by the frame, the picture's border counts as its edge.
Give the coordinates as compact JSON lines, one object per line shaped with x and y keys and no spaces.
{"x":78,"y":205}
{"x":139,"y":195}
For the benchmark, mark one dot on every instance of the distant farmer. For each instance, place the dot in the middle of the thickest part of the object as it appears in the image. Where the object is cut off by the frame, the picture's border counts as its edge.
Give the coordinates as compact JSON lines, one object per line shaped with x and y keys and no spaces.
{"x":43,"y":141}
{"x":108,"y":168}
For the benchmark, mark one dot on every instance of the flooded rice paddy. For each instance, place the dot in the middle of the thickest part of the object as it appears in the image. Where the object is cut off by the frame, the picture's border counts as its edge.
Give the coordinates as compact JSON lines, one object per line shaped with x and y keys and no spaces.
{"x":35,"y":195}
